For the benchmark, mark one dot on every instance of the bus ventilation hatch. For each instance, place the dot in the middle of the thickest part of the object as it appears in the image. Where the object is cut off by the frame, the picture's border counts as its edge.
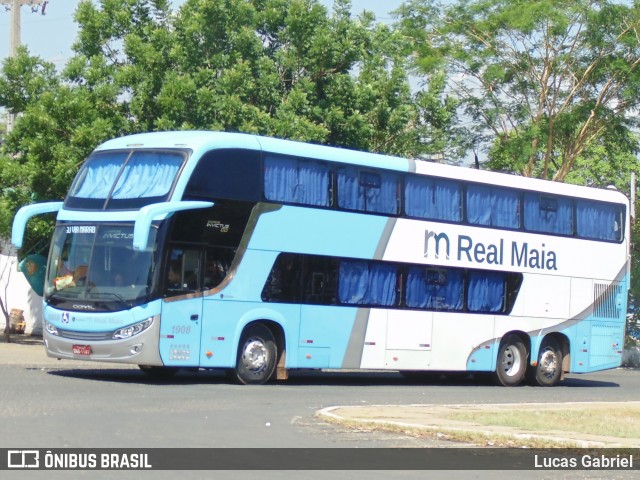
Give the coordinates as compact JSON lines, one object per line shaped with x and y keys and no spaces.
{"x":606,"y":300}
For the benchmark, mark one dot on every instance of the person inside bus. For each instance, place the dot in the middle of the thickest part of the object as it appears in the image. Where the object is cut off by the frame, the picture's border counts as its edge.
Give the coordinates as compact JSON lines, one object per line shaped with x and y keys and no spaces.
{"x":174,"y":279}
{"x":284,"y":282}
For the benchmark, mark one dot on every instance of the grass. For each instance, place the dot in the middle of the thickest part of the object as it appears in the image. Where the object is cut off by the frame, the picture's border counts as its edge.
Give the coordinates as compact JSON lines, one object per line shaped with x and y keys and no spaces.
{"x":623,"y":421}
{"x":539,"y":425}
{"x":448,"y":435}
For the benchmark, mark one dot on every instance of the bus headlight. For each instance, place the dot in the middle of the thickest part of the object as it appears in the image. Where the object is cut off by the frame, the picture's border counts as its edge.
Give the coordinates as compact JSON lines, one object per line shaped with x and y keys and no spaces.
{"x":132,"y":330}
{"x":51,"y":329}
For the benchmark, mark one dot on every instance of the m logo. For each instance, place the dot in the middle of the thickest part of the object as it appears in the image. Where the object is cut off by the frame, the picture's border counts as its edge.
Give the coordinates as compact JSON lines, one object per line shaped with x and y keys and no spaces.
{"x":433,"y":244}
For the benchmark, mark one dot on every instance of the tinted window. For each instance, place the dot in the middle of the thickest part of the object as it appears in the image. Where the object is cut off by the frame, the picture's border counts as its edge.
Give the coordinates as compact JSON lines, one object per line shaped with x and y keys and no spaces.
{"x":232,"y":174}
{"x":368,"y":191}
{"x":183,"y":271}
{"x":367,"y":283}
{"x":486,"y":292}
{"x":599,"y":221}
{"x":292,"y":180}
{"x":434,"y":288}
{"x":547,"y":214}
{"x":434,"y":199}
{"x":223,"y":224}
{"x":318,"y":280}
{"x":496,"y":207}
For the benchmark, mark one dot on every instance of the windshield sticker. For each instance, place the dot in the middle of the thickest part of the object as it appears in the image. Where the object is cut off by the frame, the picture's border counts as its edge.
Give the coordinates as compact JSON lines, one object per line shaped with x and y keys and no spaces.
{"x":81,"y":229}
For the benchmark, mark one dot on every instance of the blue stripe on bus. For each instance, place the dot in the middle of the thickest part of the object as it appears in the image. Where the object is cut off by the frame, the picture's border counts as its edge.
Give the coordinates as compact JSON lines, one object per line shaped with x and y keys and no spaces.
{"x":595,"y":345}
{"x":319,"y":340}
{"x":330,"y":233}
{"x":324,"y":327}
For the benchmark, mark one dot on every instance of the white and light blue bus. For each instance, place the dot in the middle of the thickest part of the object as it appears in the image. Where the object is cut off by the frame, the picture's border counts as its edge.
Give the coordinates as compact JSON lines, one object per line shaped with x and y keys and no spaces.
{"x":211,"y":250}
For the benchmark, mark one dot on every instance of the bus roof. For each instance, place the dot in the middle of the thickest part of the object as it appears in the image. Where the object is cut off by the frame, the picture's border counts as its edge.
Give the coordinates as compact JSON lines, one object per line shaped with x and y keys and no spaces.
{"x":199,"y":142}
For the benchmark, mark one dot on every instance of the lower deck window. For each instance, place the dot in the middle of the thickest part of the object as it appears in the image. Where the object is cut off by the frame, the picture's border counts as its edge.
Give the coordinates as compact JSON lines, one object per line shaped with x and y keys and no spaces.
{"x":486,"y":292}
{"x":434,"y":289}
{"x":318,"y":280}
{"x":367,"y":283}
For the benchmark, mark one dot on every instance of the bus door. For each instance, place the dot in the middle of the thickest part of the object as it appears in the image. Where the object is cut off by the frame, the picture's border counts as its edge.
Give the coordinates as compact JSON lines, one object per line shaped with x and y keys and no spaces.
{"x":181,"y":322}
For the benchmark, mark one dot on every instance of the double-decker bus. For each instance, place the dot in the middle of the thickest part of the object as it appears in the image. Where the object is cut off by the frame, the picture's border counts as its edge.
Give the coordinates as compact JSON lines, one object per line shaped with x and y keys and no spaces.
{"x":256,"y":255}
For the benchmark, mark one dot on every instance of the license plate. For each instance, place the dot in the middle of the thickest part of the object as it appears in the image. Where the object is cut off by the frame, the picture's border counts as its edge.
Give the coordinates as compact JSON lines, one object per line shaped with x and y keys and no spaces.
{"x":81,"y":349}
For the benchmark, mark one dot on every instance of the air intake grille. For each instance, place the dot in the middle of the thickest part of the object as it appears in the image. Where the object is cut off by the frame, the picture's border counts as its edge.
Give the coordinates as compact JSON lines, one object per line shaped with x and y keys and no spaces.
{"x":85,"y":336}
{"x":606,"y":300}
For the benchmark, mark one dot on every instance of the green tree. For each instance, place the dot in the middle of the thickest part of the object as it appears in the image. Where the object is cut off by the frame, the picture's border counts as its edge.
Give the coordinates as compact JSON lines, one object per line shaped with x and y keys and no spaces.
{"x":287,"y":68}
{"x":542,"y":81}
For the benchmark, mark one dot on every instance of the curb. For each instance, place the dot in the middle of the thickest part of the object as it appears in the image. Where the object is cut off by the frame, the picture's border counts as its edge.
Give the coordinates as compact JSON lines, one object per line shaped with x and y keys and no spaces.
{"x":433,"y":420}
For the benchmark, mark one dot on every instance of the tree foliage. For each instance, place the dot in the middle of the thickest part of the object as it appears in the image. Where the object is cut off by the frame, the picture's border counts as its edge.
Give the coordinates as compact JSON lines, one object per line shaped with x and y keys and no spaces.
{"x":285,"y":68}
{"x":542,"y":81}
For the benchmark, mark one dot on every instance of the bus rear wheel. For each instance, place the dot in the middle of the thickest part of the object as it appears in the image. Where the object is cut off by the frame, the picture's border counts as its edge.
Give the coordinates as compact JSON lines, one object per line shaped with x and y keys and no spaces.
{"x":257,"y":355}
{"x":548,"y":371}
{"x":512,"y":361}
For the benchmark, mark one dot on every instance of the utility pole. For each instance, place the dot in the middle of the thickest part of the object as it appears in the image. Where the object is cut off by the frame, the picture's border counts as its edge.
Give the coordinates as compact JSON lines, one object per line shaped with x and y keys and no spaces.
{"x":14,"y":35}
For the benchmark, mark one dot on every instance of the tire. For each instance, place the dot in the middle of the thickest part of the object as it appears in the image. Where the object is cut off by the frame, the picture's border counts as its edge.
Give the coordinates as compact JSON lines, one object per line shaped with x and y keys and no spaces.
{"x":512,"y":362}
{"x":548,"y":371}
{"x":159,"y":372}
{"x":257,"y":356}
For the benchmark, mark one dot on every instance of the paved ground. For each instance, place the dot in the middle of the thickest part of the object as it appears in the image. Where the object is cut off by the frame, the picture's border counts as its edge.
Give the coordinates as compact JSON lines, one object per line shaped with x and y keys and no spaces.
{"x":29,"y":351}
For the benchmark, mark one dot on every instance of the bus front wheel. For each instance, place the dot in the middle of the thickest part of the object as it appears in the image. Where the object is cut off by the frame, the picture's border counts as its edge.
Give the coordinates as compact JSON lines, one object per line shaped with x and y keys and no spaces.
{"x":257,"y":354}
{"x":548,"y":370}
{"x":512,"y":361}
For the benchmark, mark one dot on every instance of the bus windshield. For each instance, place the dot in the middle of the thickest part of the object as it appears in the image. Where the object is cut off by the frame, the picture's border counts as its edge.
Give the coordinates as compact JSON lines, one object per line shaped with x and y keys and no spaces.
{"x":96,"y":264}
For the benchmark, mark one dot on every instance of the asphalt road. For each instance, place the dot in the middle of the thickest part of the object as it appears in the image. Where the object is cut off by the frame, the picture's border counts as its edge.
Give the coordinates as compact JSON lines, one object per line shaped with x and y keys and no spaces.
{"x":67,"y":405}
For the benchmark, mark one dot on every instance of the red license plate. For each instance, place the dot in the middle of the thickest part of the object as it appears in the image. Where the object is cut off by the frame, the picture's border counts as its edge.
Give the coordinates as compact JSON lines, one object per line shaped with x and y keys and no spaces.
{"x":81,"y":349}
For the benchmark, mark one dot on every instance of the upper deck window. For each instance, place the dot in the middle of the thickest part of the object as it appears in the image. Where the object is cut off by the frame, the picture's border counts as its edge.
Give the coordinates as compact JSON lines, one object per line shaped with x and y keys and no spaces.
{"x":147,"y":174}
{"x":139,"y":175}
{"x":97,"y":176}
{"x":296,"y":181}
{"x":493,"y":206}
{"x":548,"y":214}
{"x":368,"y":191}
{"x":228,"y":173}
{"x":434,"y":199}
{"x":599,"y":221}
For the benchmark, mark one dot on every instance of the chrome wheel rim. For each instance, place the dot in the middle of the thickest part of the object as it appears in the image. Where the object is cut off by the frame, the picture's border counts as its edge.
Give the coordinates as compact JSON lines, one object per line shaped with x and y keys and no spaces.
{"x":254,"y":355}
{"x":548,"y":364}
{"x":511,"y":361}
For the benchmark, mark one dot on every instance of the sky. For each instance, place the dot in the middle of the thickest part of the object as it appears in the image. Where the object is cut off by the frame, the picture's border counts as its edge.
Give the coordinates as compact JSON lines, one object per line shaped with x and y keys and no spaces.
{"x":50,"y":36}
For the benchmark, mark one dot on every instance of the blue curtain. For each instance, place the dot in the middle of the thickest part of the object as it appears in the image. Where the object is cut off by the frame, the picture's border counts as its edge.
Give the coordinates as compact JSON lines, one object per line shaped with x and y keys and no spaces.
{"x":479,"y":205}
{"x":368,"y":191}
{"x":434,"y":289}
{"x":548,"y":214}
{"x":147,"y":175}
{"x":314,"y":180}
{"x":599,"y":221}
{"x":98,"y":175}
{"x":433,"y":199}
{"x":296,"y":181}
{"x":280,"y":178}
{"x":364,"y":283}
{"x":496,"y":207}
{"x":486,"y":291}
